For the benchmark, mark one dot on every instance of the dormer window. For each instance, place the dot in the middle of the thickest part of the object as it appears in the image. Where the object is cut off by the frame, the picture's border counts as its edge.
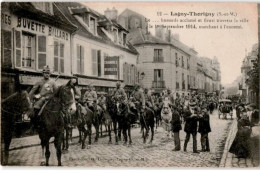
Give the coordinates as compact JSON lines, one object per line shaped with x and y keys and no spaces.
{"x":92,"y":25}
{"x":115,"y":33}
{"x":46,"y":7}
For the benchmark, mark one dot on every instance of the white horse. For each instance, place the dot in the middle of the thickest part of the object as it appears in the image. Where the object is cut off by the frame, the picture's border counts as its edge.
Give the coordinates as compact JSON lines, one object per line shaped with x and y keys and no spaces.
{"x":166,"y":115}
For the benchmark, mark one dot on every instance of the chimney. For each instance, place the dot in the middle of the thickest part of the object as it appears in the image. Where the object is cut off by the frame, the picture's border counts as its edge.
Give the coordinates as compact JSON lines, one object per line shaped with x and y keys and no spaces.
{"x":111,"y":14}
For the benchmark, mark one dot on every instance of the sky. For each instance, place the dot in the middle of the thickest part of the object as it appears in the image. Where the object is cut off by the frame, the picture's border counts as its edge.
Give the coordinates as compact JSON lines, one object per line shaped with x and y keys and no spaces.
{"x":228,"y":45}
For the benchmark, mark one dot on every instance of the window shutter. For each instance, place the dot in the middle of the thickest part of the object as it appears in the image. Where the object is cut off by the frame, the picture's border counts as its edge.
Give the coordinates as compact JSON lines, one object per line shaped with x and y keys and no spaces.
{"x":124,"y":72}
{"x":94,"y":61}
{"x":18,"y":50}
{"x":99,"y":62}
{"x":78,"y":60}
{"x":56,"y":56}
{"x":82,"y":59}
{"x":61,"y":58}
{"x":155,"y":75}
{"x":6,"y":48}
{"x":41,"y":52}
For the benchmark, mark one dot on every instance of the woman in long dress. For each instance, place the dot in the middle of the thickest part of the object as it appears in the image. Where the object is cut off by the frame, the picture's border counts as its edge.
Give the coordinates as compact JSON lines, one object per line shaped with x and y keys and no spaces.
{"x":240,"y":146}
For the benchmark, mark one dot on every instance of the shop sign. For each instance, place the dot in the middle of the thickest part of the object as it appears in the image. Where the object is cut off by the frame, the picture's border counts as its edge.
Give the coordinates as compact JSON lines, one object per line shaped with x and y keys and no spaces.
{"x":94,"y":82}
{"x":31,"y":80}
{"x":41,"y":28}
{"x":111,"y":65}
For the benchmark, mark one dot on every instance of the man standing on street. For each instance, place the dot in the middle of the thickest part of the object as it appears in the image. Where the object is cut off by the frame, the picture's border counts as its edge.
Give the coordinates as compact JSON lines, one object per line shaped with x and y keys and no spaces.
{"x":204,"y":129}
{"x":176,"y":127}
{"x":190,"y":117}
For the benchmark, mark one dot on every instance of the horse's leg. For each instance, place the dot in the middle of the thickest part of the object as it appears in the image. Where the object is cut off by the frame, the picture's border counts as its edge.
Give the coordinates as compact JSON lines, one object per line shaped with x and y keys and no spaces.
{"x":57,"y":144}
{"x":109,"y":133}
{"x":152,"y":129}
{"x":129,"y":135}
{"x":7,"y":142}
{"x":47,"y":152}
{"x":80,"y":139}
{"x":90,"y":133}
{"x":97,"y":131}
{"x":71,"y":130}
{"x":101,"y":129}
{"x":67,"y":138}
{"x":125,"y":135}
{"x":84,"y":131}
{"x":115,"y":131}
{"x":119,"y":131}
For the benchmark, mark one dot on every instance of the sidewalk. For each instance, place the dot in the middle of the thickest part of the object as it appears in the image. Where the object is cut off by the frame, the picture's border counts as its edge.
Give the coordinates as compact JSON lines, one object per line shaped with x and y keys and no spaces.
{"x":230,"y":160}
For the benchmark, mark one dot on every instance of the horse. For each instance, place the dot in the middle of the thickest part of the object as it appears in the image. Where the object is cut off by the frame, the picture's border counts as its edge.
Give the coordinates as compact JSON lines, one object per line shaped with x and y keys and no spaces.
{"x":51,"y":122}
{"x":166,"y":115}
{"x":112,"y":110}
{"x":11,"y":109}
{"x":106,"y":120}
{"x":128,"y":116}
{"x":147,"y":121}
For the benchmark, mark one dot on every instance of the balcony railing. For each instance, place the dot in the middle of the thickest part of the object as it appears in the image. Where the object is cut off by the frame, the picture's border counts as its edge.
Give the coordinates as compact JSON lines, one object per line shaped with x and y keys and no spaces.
{"x":158,"y":59}
{"x":158,"y":84}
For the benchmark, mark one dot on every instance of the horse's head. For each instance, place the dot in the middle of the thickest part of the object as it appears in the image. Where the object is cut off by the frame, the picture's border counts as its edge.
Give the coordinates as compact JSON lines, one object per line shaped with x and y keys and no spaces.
{"x":24,"y":101}
{"x":66,"y":96}
{"x":121,"y":108}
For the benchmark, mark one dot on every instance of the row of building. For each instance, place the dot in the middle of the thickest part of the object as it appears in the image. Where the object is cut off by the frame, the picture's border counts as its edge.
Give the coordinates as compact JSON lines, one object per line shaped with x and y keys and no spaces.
{"x":74,"y":40}
{"x":248,"y":93}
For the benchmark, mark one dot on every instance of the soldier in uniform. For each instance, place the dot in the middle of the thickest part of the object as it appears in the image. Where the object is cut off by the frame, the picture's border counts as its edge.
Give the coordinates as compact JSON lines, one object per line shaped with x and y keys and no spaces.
{"x":90,"y":98}
{"x":148,"y":99}
{"x":170,"y":97}
{"x":120,"y":93}
{"x":102,"y":101}
{"x":42,"y":91}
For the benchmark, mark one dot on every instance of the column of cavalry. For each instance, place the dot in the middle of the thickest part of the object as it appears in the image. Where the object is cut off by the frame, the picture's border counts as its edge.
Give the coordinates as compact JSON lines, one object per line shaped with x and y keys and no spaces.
{"x":55,"y":111}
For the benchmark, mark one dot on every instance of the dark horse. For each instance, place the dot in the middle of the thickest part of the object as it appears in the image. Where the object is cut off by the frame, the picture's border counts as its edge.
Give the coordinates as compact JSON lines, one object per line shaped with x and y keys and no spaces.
{"x":12,"y":108}
{"x":147,"y":122}
{"x":112,"y":110}
{"x":51,"y":122}
{"x":85,"y":116}
{"x":128,"y":116}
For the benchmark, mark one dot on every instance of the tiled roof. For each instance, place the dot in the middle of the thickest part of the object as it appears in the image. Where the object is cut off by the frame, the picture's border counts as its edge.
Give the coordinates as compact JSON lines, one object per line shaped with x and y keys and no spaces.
{"x":64,"y":7}
{"x":26,"y":9}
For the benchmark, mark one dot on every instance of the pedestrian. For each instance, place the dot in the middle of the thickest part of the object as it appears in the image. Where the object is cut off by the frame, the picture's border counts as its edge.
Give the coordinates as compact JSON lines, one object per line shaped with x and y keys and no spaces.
{"x":176,"y":127}
{"x":204,"y":129}
{"x":190,"y":117}
{"x":240,"y":146}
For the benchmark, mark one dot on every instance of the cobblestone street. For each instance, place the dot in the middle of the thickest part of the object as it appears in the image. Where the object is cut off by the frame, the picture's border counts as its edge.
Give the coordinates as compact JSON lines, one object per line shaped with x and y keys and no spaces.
{"x":158,"y":154}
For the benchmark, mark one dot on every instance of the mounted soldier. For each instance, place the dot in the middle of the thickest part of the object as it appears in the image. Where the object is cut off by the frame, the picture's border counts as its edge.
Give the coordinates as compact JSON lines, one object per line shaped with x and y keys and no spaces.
{"x":42,"y":91}
{"x":90,"y":98}
{"x":148,"y":99}
{"x":170,"y":97}
{"x":120,"y":94}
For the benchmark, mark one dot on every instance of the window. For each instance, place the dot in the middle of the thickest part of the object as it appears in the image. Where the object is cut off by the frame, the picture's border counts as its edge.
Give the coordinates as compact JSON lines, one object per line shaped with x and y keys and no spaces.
{"x":28,"y":50}
{"x":158,"y":55}
{"x":115,"y":35}
{"x":158,"y":74}
{"x":6,"y":48}
{"x":58,"y":57}
{"x":80,"y":59}
{"x":177,"y":80}
{"x":96,"y":62}
{"x":176,"y":60}
{"x":92,"y":25}
{"x":44,"y":6}
{"x":124,"y":39}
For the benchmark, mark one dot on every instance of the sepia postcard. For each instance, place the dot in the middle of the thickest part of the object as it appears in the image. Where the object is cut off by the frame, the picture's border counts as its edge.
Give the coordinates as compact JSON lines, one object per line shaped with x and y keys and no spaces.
{"x":130,"y":84}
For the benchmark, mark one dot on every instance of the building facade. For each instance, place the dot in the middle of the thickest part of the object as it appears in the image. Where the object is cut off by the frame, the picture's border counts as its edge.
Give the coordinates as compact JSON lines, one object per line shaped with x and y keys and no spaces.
{"x":33,"y":35}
